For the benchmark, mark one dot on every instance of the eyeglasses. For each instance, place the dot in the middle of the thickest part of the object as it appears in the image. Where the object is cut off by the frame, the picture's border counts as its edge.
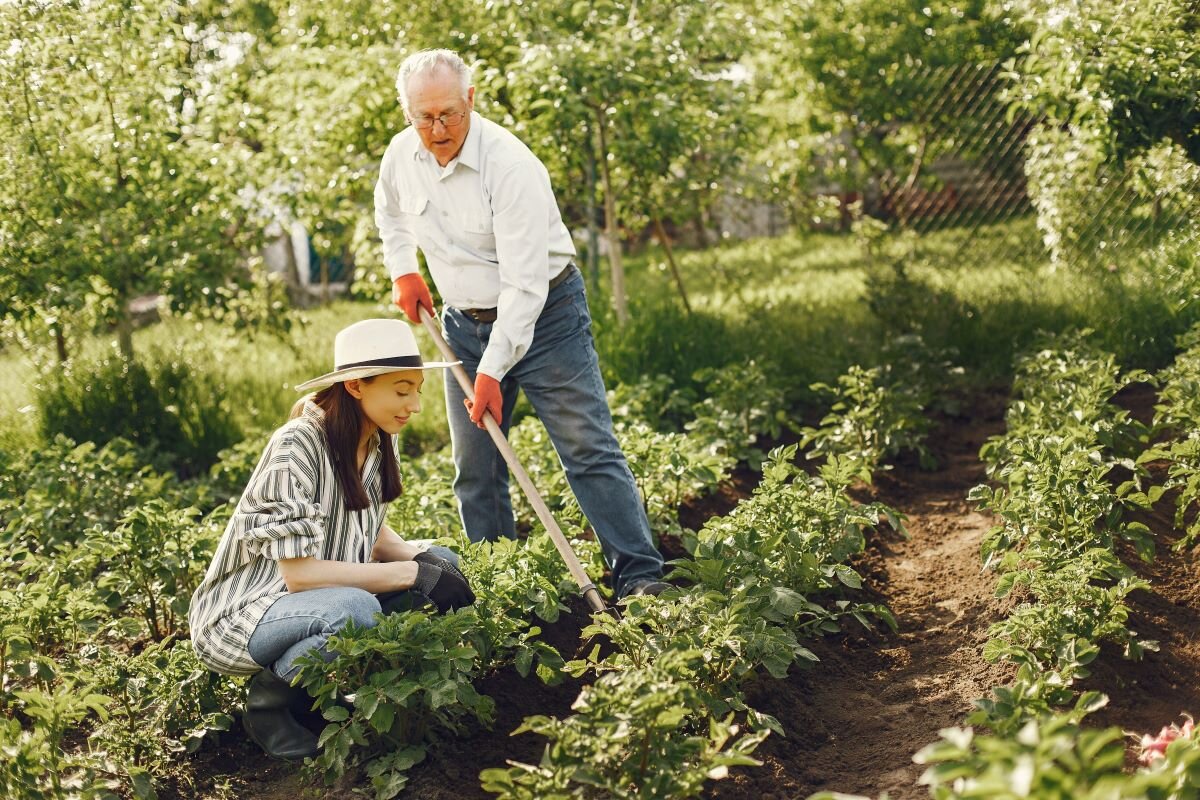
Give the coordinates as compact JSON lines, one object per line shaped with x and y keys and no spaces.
{"x":448,"y":120}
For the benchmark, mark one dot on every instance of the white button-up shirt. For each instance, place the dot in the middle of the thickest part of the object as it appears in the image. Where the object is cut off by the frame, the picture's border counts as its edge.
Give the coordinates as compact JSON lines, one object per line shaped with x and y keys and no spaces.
{"x":487,"y":223}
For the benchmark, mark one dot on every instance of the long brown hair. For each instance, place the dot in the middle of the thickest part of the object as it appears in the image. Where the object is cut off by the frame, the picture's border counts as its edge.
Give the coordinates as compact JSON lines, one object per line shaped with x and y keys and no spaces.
{"x":342,"y":422}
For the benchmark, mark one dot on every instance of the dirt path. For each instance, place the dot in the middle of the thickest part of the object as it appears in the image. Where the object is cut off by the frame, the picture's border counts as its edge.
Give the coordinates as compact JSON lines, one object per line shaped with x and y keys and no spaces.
{"x":855,"y":719}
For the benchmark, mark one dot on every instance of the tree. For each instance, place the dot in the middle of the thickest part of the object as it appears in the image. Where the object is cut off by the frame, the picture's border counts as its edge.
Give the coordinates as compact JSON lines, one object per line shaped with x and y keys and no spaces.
{"x":624,"y":100}
{"x":1118,"y":86}
{"x":118,"y":178}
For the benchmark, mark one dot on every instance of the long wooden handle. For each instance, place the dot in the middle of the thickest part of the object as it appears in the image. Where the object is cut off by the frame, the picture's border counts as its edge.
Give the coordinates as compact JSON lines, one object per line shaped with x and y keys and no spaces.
{"x":590,"y":592}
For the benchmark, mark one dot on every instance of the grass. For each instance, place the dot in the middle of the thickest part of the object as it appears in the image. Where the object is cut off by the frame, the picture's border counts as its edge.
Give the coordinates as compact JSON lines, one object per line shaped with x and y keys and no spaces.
{"x":804,"y":306}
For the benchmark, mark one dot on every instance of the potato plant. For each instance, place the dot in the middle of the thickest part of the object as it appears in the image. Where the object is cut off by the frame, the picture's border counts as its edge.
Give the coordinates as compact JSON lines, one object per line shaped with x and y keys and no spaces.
{"x":670,"y":469}
{"x":152,"y":562}
{"x":54,"y":494}
{"x":641,"y":732}
{"x":390,"y":690}
{"x":525,"y":579}
{"x":1177,"y":417}
{"x":742,"y":405}
{"x":872,"y":418}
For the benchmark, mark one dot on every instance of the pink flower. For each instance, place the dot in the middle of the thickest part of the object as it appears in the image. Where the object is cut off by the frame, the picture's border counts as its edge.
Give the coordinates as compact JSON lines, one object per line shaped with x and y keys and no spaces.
{"x":1152,"y":748}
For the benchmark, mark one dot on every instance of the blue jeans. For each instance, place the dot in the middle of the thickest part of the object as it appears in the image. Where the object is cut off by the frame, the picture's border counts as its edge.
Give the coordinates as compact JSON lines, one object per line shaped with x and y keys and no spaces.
{"x":300,"y":623}
{"x":560,"y":374}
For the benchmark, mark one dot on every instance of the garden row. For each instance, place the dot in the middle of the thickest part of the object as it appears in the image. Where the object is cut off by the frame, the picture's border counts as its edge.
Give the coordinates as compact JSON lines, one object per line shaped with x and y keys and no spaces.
{"x":1063,"y":520}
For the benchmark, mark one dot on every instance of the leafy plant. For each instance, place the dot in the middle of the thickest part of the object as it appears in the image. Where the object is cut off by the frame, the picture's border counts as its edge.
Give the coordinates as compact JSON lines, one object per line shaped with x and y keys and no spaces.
{"x":670,"y":469}
{"x":641,"y":732}
{"x":55,"y":493}
{"x":163,"y":703}
{"x":36,"y":764}
{"x":871,"y":419}
{"x":732,"y":636}
{"x":407,"y":679}
{"x":153,"y":562}
{"x":741,"y":405}
{"x":524,"y":579}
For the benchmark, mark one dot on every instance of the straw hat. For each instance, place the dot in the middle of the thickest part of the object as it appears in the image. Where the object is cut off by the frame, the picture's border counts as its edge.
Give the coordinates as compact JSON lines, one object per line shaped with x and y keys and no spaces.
{"x":372,"y":347}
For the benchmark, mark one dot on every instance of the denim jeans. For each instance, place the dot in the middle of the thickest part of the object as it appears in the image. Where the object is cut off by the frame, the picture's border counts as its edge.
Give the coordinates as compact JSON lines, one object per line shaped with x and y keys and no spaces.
{"x":300,"y":623}
{"x":560,"y":375}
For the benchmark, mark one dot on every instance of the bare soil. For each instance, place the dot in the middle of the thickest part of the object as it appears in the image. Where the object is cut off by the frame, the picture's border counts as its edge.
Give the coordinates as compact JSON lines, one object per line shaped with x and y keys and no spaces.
{"x":855,"y":719}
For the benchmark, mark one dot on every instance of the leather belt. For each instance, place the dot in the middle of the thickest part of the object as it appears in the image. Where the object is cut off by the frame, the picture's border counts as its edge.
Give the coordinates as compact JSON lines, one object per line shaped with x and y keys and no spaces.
{"x":489,"y":314}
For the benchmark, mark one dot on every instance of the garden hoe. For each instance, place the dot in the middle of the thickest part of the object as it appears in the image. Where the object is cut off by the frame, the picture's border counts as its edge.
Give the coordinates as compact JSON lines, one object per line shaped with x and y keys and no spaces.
{"x":590,"y":592}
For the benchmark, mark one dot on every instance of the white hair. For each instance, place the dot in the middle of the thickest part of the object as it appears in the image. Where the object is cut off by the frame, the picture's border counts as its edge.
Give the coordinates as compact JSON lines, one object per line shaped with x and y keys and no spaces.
{"x":427,"y":62}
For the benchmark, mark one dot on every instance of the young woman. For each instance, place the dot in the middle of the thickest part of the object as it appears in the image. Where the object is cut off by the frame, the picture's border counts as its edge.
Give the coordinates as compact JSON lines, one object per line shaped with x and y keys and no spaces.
{"x":307,"y":549}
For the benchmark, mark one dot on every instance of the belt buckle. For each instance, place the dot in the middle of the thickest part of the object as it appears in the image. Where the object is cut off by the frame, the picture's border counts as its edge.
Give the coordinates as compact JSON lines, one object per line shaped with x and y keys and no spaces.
{"x":481,"y":314}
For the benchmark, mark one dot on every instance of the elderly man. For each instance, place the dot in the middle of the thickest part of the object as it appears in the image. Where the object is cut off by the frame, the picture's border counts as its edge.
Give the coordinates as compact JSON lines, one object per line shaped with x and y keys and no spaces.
{"x":478,"y":203}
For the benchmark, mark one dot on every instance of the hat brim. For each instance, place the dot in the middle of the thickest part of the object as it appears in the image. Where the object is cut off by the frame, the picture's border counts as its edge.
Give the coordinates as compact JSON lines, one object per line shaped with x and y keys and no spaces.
{"x":354,"y":373}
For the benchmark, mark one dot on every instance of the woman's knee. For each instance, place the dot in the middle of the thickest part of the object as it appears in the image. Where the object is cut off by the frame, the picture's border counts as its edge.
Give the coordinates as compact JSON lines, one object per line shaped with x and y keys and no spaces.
{"x":353,"y":605}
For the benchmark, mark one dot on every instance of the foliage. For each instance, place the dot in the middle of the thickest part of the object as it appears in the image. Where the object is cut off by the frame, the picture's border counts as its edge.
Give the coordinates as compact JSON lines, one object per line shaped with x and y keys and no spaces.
{"x":641,"y":732}
{"x":54,"y":494}
{"x":789,"y":541}
{"x":670,"y":469}
{"x":871,"y":419}
{"x":35,"y":765}
{"x":164,"y":703}
{"x":118,"y":178}
{"x":152,"y":562}
{"x":740,"y":405}
{"x":1177,"y":415}
{"x":426,"y":508}
{"x":733,"y":637}
{"x":655,"y":400}
{"x":167,"y":408}
{"x":1116,"y":84}
{"x":524,"y":579}
{"x":839,"y":81}
{"x":407,"y":679}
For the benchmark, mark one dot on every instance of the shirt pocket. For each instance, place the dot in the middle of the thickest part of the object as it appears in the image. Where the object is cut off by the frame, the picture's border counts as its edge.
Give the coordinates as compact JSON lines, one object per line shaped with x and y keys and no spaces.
{"x":412,"y":207}
{"x":477,"y":232}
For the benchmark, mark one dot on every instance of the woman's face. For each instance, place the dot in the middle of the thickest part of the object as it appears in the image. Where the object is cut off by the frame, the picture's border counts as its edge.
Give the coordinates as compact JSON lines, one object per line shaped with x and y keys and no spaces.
{"x":388,"y":400}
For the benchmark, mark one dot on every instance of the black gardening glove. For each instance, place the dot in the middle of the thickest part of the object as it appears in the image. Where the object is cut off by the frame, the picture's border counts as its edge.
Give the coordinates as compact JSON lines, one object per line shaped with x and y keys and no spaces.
{"x":426,"y":557}
{"x":445,"y":588}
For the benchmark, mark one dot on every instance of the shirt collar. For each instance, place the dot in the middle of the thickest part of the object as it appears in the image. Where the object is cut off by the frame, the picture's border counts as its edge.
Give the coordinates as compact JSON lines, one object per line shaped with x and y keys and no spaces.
{"x":469,"y":155}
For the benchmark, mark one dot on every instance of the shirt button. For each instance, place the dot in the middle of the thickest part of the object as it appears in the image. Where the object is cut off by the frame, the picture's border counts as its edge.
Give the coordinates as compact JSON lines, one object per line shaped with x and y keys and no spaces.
{"x":444,"y":214}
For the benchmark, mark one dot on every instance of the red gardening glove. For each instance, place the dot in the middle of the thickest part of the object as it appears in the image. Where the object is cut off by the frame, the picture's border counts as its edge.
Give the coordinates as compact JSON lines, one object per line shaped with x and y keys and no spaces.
{"x":409,"y":290}
{"x":487,"y":398}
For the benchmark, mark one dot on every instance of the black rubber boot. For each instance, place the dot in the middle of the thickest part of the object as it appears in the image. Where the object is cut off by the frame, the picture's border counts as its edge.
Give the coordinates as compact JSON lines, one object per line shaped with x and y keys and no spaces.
{"x":269,"y":722}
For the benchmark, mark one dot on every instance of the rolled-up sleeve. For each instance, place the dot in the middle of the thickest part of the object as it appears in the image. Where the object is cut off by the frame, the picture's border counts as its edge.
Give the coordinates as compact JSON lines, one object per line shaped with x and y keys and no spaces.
{"x":395,"y":227}
{"x":522,"y":203}
{"x":278,"y":516}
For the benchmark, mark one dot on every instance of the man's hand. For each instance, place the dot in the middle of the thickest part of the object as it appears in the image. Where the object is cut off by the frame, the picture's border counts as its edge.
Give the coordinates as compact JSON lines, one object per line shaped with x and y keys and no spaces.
{"x":487,"y":400}
{"x":409,"y":290}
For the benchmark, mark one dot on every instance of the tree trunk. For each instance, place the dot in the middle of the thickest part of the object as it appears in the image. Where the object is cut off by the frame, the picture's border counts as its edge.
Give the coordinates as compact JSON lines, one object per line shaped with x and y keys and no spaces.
{"x":297,"y":294}
{"x":125,"y":332}
{"x":666,"y":243}
{"x":593,"y":231}
{"x":324,"y":280}
{"x":610,"y":228}
{"x":60,"y":343}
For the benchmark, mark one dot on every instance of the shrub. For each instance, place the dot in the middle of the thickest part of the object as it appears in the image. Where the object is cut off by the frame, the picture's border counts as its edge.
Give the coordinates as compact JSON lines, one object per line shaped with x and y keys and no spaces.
{"x":166,"y":408}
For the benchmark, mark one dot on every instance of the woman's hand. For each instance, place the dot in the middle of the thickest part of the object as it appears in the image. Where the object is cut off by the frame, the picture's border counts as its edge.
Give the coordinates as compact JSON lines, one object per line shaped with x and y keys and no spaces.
{"x":444,"y":585}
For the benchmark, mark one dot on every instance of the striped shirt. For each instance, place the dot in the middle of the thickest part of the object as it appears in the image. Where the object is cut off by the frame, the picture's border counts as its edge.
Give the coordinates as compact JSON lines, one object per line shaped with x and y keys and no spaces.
{"x":291,"y":508}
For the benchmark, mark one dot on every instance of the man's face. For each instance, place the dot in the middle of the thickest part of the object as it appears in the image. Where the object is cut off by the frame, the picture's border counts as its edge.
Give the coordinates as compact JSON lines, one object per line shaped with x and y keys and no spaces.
{"x":430,"y":96}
